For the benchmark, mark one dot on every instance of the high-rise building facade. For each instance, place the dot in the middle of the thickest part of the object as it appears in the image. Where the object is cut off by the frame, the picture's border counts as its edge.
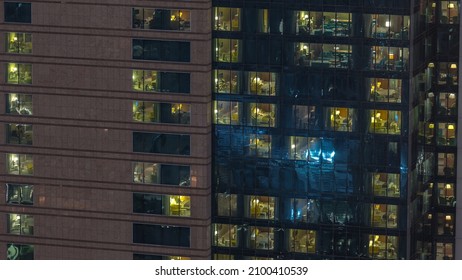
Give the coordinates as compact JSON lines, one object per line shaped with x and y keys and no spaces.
{"x":229,"y":129}
{"x":335,"y":129}
{"x":105,"y":129}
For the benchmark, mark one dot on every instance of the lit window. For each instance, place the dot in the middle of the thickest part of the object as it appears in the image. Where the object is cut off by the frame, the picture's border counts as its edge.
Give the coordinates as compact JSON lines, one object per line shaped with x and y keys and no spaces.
{"x":385,"y":184}
{"x":154,"y":112}
{"x":225,"y":235}
{"x":261,"y":238}
{"x":19,"y":43}
{"x":19,"y":73}
{"x":384,"y":215}
{"x":170,"y":205}
{"x":19,"y":104}
{"x":20,"y":224}
{"x":261,"y":207}
{"x":226,"y":19}
{"x":383,"y":247}
{"x":302,"y":241}
{"x":161,"y":19}
{"x":20,"y":164}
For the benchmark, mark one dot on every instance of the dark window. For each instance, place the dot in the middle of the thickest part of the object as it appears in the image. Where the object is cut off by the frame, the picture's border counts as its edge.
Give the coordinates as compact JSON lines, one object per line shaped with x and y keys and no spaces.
{"x":161,"y":50}
{"x":147,"y":257}
{"x":146,"y":18}
{"x":161,"y":235}
{"x":19,"y":194}
{"x":148,"y":203}
{"x":19,"y":134}
{"x":157,"y":143}
{"x":17,"y":12}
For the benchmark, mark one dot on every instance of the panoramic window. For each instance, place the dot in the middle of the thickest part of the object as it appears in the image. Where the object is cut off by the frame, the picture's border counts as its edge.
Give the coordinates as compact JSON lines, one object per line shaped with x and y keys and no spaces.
{"x":261,"y":114}
{"x":447,"y":73}
{"x":227,"y":19}
{"x":384,"y":215}
{"x":261,"y":207}
{"x":259,"y":145}
{"x":449,"y":12}
{"x":225,"y":235}
{"x":19,"y":194}
{"x":385,"y":184}
{"x":387,"y":26}
{"x":227,"y":204}
{"x":302,"y":241}
{"x":18,"y":42}
{"x":170,"y":205}
{"x":445,"y":224}
{"x":389,"y":58}
{"x":19,"y":12}
{"x":21,"y":134}
{"x":165,"y":174}
{"x":447,"y":104}
{"x":261,"y":238}
{"x":19,"y":104}
{"x":20,"y":224}
{"x":446,"y":194}
{"x":227,"y":50}
{"x":322,"y":23}
{"x":340,"y":119}
{"x":321,"y":55}
{"x":226,"y":81}
{"x":161,"y":19}
{"x":383,"y":247}
{"x":261,"y":83}
{"x":19,"y":73}
{"x":385,"y":122}
{"x":446,"y":164}
{"x":154,"y":112}
{"x":227,"y":112}
{"x":385,"y":90}
{"x":20,"y":164}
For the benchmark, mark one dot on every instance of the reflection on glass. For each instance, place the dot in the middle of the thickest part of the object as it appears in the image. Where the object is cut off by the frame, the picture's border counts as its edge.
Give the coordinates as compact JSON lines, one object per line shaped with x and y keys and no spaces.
{"x":227,"y":112}
{"x":261,"y":238}
{"x":383,"y":247}
{"x":322,"y":23}
{"x":19,"y":42}
{"x":227,"y":204}
{"x":19,"y":194}
{"x":322,"y":55}
{"x":227,"y":50}
{"x":19,"y":104}
{"x":384,"y":215}
{"x":161,"y":19}
{"x":262,"y":114}
{"x":20,"y":164}
{"x":20,"y":134}
{"x":385,"y":90}
{"x":302,"y":241}
{"x":19,"y":73}
{"x":260,"y":207}
{"x":226,"y":81}
{"x":20,"y":252}
{"x":154,"y":112}
{"x":385,"y":122}
{"x":340,"y":119}
{"x":261,"y":83}
{"x":225,"y":235}
{"x":387,"y":26}
{"x":304,"y":117}
{"x":304,"y":210}
{"x":385,"y":184}
{"x":227,"y":19}
{"x":20,"y":224}
{"x":260,"y":145}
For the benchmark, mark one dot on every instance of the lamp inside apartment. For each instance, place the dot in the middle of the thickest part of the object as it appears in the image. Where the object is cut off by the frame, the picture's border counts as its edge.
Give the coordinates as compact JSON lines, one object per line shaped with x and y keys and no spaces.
{"x":431,"y":65}
{"x":451,"y":6}
{"x":453,"y":66}
{"x":451,"y":126}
